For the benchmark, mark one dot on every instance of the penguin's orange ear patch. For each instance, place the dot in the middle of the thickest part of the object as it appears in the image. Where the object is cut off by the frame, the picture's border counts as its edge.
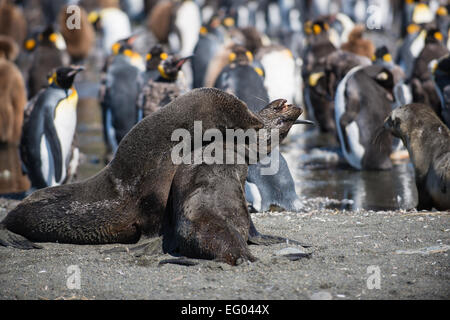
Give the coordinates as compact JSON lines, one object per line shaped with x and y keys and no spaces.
{"x":53,"y":37}
{"x":116,"y":48}
{"x":203,"y":31}
{"x":249,"y":55}
{"x":232,"y":57}
{"x":438,"y":36}
{"x":52,"y":78}
{"x":148,"y":57}
{"x":259,"y":71}
{"x":228,"y":22}
{"x":308,"y":27}
{"x":442,"y":11}
{"x":317,"y":29}
{"x":30,"y":44}
{"x":163,"y":56}
{"x":314,"y":78}
{"x":128,"y":53}
{"x":387,"y":57}
{"x":412,"y":28}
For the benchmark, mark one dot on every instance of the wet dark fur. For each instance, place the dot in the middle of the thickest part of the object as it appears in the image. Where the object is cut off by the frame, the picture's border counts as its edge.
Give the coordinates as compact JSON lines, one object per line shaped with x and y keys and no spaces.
{"x":207,"y":214}
{"x":128,"y":197}
{"x":427,"y":139}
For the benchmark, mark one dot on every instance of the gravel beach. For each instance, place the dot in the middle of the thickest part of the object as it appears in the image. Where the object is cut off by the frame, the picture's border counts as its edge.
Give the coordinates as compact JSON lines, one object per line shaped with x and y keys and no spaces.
{"x":408,"y":250}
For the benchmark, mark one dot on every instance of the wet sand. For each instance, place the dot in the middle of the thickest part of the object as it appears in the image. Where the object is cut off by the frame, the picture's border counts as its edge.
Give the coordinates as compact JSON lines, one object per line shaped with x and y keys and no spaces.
{"x":409,"y":248}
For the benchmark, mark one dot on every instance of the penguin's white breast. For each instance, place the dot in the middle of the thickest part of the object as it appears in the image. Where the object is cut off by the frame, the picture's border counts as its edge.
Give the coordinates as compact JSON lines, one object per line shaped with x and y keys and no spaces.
{"x":65,"y":124}
{"x":280,"y":79}
{"x":188,"y":22}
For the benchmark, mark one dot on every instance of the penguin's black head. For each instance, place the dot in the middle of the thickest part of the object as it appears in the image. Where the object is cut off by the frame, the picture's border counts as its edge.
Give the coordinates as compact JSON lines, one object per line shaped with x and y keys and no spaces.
{"x":434,"y":35}
{"x":124,"y":46}
{"x":240,"y":55}
{"x":64,"y":77}
{"x":170,"y":67}
{"x":316,"y":28}
{"x":155,"y":56}
{"x":48,"y":37}
{"x":211,"y":26}
{"x":282,"y":116}
{"x":382,"y":54}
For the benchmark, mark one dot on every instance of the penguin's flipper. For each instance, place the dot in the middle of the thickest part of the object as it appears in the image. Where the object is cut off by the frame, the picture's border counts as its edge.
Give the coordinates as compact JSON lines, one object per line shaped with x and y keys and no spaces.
{"x":350,"y":114}
{"x":11,"y":239}
{"x":55,"y":146}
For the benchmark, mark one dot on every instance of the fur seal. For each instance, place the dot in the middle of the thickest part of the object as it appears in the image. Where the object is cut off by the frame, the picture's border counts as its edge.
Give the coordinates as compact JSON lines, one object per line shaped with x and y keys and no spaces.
{"x":208,"y":216}
{"x":129,"y":196}
{"x":427,"y":139}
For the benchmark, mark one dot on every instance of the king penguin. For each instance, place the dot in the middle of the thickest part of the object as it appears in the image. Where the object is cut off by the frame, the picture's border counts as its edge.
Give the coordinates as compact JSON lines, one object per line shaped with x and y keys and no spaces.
{"x":119,"y":93}
{"x":48,"y":131}
{"x":161,"y":90}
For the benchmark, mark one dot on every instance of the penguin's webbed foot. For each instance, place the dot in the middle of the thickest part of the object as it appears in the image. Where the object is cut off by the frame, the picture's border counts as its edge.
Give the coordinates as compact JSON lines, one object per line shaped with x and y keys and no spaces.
{"x":11,"y":239}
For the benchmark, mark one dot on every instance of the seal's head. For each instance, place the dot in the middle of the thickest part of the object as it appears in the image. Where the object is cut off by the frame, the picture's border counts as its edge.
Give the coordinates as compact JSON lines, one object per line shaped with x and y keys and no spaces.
{"x":282,"y":116}
{"x":407,"y":120}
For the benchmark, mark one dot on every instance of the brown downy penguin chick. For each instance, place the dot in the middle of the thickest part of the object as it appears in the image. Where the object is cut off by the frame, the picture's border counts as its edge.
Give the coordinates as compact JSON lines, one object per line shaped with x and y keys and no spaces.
{"x":12,"y":21}
{"x":79,"y":41}
{"x":427,"y":139}
{"x":423,"y":89}
{"x":46,"y":58}
{"x":357,"y":44}
{"x":128,"y":197}
{"x":158,"y":92}
{"x":207,"y":215}
{"x":13,"y":95}
{"x":160,"y":20}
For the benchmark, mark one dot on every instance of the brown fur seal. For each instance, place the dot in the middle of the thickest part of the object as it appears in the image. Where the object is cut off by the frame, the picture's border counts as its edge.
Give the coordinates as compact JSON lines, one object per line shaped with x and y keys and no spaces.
{"x":13,"y":95}
{"x":128,"y":197}
{"x":207,"y":215}
{"x":427,"y":139}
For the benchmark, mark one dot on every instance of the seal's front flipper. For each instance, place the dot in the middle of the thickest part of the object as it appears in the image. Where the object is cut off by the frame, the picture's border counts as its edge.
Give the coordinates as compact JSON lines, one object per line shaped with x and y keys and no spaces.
{"x":183,"y":261}
{"x":11,"y":239}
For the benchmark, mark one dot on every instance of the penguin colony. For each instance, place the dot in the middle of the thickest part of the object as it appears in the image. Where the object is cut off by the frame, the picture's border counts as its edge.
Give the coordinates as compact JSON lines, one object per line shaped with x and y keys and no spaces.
{"x":375,"y":99}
